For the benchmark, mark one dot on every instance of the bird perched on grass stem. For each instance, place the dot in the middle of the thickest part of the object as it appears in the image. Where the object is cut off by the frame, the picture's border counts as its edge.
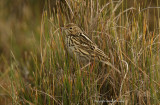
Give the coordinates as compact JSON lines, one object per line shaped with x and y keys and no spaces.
{"x":81,"y":47}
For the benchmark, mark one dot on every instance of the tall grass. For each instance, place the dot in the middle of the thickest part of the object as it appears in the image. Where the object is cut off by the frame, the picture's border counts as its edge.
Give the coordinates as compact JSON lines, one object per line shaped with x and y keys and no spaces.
{"x":122,"y":33}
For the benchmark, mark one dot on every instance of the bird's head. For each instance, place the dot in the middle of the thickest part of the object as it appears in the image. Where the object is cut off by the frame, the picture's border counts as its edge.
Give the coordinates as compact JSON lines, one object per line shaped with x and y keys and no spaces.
{"x":72,"y":29}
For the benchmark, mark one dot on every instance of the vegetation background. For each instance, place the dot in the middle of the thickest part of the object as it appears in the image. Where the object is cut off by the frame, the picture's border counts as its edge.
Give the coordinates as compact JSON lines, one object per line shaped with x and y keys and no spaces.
{"x":35,"y":69}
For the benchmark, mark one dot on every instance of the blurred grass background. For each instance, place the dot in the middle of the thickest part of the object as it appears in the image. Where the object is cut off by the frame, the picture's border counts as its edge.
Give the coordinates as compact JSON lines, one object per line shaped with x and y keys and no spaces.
{"x":35,"y":69}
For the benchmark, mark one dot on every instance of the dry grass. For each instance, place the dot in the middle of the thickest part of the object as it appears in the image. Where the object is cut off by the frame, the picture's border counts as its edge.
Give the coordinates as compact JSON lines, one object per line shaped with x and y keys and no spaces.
{"x":47,"y":74}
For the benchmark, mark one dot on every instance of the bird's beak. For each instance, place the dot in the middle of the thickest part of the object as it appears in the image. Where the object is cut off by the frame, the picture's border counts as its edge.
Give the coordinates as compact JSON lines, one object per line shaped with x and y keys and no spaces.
{"x":63,"y":28}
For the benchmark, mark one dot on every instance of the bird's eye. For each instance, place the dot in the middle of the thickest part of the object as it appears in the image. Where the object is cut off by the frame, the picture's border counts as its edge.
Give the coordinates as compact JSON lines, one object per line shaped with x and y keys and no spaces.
{"x":70,"y":28}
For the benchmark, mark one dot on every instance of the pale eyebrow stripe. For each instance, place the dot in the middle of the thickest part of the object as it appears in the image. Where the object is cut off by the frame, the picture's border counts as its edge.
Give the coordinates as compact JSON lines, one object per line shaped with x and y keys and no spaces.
{"x":74,"y":26}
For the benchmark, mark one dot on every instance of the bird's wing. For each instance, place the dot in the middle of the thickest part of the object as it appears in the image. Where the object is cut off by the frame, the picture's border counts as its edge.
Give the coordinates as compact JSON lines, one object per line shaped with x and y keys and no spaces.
{"x":89,"y":48}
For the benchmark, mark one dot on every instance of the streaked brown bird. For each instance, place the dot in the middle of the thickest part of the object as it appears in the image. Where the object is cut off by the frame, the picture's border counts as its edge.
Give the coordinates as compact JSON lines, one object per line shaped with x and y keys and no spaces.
{"x":80,"y":46}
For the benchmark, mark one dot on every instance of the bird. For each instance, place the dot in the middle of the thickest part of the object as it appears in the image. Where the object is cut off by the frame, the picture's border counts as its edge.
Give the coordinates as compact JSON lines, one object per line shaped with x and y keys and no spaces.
{"x":81,"y":47}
